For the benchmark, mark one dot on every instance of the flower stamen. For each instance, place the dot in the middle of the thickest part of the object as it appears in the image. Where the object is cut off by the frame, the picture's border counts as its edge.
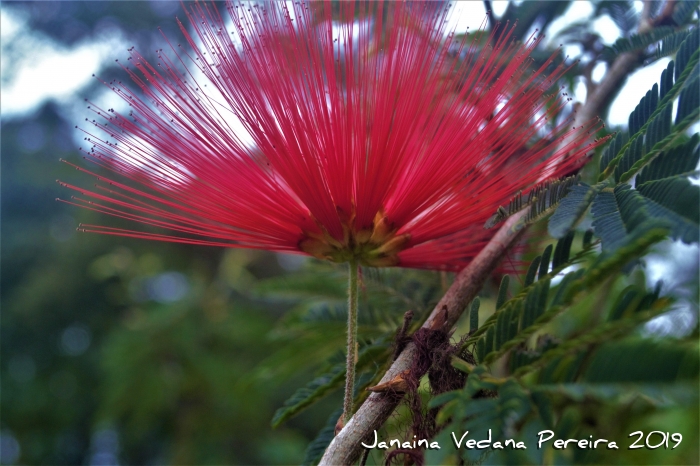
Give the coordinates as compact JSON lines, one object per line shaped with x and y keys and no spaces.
{"x":377,"y":246}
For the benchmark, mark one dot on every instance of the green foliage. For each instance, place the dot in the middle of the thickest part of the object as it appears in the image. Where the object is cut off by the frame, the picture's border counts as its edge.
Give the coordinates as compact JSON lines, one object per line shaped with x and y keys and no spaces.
{"x":474,"y":315}
{"x":651,"y":109}
{"x":553,"y":384}
{"x":664,"y":362}
{"x":326,"y":383}
{"x":318,"y":445}
{"x":667,"y":37}
{"x":637,"y":41}
{"x":679,"y":162}
{"x":621,"y":12}
{"x":544,"y":262}
{"x":540,"y":200}
{"x":683,"y":11}
{"x":657,"y":150}
{"x":307,"y":395}
{"x":671,"y":43}
{"x":532,"y":271}
{"x":503,"y":291}
{"x":654,"y":393}
{"x":562,"y":251}
{"x":527,"y":313}
{"x":614,"y":147}
{"x":572,"y":209}
{"x":619,"y":212}
{"x":669,"y":200}
{"x":608,"y":224}
{"x":525,"y":15}
{"x":303,"y":336}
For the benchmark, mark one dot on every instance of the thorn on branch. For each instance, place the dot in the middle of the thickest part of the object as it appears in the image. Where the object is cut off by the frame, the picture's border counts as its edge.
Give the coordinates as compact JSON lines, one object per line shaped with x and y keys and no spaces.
{"x":440,"y":319}
{"x":396,"y":385}
{"x":339,"y":425}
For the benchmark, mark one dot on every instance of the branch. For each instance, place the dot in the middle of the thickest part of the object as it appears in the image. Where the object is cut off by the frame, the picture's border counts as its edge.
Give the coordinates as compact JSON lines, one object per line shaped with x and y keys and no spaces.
{"x":620,"y":69}
{"x":345,"y":447}
{"x":624,"y":65}
{"x":489,"y":14}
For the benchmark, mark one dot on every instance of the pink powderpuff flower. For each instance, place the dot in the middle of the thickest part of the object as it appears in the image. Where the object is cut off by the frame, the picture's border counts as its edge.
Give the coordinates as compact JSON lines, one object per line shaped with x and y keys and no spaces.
{"x":377,"y":135}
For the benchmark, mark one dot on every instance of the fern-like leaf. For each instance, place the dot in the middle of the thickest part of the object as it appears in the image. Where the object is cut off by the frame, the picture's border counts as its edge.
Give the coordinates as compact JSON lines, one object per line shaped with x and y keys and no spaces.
{"x":687,"y":50}
{"x":544,"y":263}
{"x":572,"y":209}
{"x":326,"y":383}
{"x":532,"y":271}
{"x":612,"y":149}
{"x":474,"y":315}
{"x":541,"y":201}
{"x":562,"y":251}
{"x":607,"y":220}
{"x":681,"y":160}
{"x":654,"y":393}
{"x":670,"y":44}
{"x":675,"y":201}
{"x":637,"y":41}
{"x":312,"y":392}
{"x":643,"y":158}
{"x":627,"y":302}
{"x":318,"y":446}
{"x":596,"y":336}
{"x":621,"y":12}
{"x":503,"y":291}
{"x":663,"y":362}
{"x":689,"y":99}
{"x":531,"y":312}
{"x":652,"y":110}
{"x":683,"y":11}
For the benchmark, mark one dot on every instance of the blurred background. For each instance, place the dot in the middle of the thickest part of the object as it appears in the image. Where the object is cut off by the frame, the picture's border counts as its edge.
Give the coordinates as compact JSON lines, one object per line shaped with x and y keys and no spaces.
{"x":119,"y":351}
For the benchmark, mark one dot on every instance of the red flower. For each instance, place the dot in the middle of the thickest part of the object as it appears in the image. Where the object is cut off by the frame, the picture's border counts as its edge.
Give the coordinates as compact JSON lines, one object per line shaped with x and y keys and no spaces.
{"x":378,"y":137}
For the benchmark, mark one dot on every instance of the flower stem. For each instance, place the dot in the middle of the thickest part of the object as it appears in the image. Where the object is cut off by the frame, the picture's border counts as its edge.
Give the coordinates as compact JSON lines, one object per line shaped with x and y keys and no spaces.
{"x":353,"y":271}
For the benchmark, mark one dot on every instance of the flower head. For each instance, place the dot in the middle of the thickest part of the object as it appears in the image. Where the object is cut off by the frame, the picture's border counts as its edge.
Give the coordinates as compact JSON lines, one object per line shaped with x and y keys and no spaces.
{"x":370,"y":133}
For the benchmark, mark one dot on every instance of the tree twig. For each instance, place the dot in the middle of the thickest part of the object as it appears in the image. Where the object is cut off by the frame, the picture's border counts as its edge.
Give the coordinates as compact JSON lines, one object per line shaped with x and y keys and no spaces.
{"x":620,"y":69}
{"x":489,"y":13}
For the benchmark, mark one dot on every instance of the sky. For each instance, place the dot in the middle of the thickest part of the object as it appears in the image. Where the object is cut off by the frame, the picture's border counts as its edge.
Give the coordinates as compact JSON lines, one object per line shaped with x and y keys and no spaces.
{"x":47,"y":70}
{"x":25,"y":86}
